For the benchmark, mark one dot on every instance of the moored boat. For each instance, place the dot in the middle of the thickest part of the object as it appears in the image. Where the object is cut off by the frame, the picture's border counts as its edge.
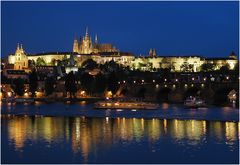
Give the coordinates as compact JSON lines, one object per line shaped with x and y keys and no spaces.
{"x":111,"y":104}
{"x":194,"y":102}
{"x":24,"y":100}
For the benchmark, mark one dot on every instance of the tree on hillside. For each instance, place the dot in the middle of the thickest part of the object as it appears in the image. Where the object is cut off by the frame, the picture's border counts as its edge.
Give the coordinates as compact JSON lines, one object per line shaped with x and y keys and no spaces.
{"x":40,"y":62}
{"x":186,"y":67}
{"x":70,"y":84}
{"x":18,"y":86}
{"x":33,"y":82}
{"x":100,"y":83}
{"x":49,"y":85}
{"x":141,"y":92}
{"x":87,"y":81}
{"x":225,"y":68}
{"x":53,"y":62}
{"x":89,"y":64}
{"x":112,"y":82}
{"x":31,"y":63}
{"x":207,"y":67}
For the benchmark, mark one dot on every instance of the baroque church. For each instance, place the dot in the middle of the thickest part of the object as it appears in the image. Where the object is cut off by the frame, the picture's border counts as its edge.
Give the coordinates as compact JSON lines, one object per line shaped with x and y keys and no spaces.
{"x":19,"y":59}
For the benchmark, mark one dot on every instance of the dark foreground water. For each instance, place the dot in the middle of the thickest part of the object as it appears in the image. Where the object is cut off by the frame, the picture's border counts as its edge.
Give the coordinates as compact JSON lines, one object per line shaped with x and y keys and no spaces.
{"x":116,"y":136}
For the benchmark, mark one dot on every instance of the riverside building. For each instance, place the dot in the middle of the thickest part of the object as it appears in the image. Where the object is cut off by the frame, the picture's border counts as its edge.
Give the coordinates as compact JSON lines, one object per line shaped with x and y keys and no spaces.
{"x":85,"y":48}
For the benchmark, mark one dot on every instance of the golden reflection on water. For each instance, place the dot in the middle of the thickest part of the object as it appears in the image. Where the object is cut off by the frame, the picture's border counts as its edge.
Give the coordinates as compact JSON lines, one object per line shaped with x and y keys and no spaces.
{"x":218,"y":129}
{"x":16,"y":133}
{"x":90,"y":134}
{"x":231,"y":131}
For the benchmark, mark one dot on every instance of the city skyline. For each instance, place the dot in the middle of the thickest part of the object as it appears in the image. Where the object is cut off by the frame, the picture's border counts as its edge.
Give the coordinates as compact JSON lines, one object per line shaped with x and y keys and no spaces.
{"x":190,"y":28}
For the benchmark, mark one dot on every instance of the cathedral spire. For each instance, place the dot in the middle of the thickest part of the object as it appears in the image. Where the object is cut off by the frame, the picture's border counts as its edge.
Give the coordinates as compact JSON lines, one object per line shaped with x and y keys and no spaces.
{"x":86,"y":32}
{"x":150,"y":52}
{"x":96,"y":39}
{"x":75,"y":45}
{"x":18,"y":46}
{"x":154,"y":53}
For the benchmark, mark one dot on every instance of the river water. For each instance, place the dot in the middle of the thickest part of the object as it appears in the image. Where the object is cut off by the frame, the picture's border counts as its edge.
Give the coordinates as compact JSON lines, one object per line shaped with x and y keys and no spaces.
{"x":76,"y":133}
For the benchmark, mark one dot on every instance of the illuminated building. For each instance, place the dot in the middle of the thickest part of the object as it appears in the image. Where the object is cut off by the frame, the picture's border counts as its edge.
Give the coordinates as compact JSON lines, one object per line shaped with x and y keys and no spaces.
{"x":85,"y":48}
{"x":19,"y":59}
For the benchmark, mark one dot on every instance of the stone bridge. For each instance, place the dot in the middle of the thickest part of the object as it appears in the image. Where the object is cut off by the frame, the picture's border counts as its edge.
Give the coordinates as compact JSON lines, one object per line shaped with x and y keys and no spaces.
{"x":177,"y":92}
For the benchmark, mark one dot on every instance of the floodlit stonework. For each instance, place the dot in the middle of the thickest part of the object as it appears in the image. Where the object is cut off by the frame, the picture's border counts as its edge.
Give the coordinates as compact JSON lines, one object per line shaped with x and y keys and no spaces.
{"x":85,"y":45}
{"x":101,"y":53}
{"x":19,"y":59}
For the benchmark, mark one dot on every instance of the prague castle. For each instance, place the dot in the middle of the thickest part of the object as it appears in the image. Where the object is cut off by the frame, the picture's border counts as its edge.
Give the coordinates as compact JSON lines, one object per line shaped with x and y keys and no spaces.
{"x":85,"y":48}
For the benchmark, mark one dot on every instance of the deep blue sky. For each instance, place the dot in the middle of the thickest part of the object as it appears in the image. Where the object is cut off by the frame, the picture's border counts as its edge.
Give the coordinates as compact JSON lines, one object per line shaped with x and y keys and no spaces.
{"x":173,"y":28}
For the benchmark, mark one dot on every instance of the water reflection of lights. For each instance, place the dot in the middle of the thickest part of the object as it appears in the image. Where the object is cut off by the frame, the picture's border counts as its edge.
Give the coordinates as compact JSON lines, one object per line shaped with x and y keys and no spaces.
{"x":165,"y":125}
{"x":82,"y":102}
{"x":68,"y":102}
{"x":193,"y":130}
{"x":165,"y":106}
{"x":238,"y":130}
{"x":218,"y":129}
{"x":89,"y":135}
{"x":107,"y":119}
{"x":230,"y":130}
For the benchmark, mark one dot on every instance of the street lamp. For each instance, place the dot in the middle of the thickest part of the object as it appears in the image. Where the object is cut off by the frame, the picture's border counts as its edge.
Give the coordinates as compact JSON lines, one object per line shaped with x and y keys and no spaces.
{"x":9,"y":94}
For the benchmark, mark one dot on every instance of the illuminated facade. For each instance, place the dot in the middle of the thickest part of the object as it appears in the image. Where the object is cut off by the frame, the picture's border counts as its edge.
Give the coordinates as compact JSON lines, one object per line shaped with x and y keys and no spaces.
{"x":85,"y":45}
{"x":174,"y":63}
{"x":19,"y":59}
{"x":101,"y":53}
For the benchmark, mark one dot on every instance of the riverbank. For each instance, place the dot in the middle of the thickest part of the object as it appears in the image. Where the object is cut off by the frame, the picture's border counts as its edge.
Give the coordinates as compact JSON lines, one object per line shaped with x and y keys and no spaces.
{"x":86,"y":109}
{"x":95,"y":99}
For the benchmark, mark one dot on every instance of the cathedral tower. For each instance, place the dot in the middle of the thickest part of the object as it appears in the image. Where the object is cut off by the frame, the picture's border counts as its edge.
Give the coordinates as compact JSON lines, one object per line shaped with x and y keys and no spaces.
{"x":75,"y":45}
{"x":86,"y":45}
{"x":96,"y":39}
{"x":151,"y":52}
{"x":154,"y":53}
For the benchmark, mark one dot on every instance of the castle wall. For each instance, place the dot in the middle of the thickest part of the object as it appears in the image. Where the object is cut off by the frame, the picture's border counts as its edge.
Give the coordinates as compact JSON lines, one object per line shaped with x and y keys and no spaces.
{"x":48,"y":58}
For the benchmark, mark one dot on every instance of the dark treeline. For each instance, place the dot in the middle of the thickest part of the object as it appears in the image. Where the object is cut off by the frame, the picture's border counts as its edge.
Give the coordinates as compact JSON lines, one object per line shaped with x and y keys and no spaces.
{"x":96,"y":79}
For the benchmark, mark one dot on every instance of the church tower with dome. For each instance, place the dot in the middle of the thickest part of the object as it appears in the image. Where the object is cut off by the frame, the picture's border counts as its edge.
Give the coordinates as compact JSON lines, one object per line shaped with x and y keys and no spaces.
{"x":19,"y":59}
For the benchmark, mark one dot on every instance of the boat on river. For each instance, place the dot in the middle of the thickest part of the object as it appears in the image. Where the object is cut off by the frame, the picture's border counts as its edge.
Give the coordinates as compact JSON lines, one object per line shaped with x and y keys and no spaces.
{"x":24,"y":100}
{"x":18,"y":100}
{"x":121,"y":104}
{"x":194,"y":102}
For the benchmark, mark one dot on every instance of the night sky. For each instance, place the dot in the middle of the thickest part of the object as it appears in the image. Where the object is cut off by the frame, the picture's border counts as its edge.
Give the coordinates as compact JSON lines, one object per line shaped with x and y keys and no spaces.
{"x":174,"y":28}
